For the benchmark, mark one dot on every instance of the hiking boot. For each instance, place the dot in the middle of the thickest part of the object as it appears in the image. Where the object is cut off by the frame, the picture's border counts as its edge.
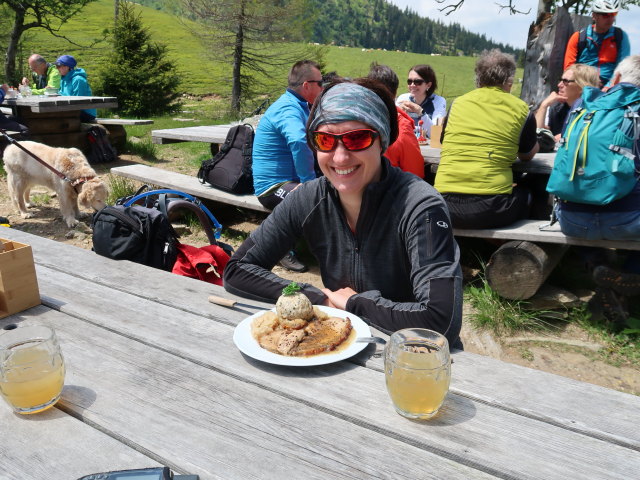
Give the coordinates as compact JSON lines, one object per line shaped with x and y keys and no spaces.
{"x":627,"y":284}
{"x":4,"y":220}
{"x":607,"y":304}
{"x":290,"y":262}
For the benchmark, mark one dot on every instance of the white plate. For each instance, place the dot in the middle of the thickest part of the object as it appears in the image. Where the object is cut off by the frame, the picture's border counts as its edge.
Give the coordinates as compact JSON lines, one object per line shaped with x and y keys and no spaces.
{"x":249,"y":346}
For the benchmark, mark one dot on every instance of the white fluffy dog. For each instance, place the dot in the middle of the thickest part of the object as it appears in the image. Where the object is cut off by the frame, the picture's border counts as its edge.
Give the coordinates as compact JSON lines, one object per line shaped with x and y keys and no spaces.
{"x":23,"y":172}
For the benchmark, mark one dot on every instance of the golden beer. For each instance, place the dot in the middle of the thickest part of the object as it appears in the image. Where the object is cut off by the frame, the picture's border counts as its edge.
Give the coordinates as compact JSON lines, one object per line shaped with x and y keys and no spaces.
{"x":31,"y":371}
{"x":417,"y":372}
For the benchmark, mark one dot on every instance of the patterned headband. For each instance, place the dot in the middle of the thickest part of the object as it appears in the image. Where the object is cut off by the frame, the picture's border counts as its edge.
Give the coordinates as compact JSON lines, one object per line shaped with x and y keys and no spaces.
{"x":349,"y":101}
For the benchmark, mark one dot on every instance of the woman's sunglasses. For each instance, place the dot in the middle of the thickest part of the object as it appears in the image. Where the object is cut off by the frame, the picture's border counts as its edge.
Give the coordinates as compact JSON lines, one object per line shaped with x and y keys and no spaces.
{"x":566,"y":81}
{"x":415,"y":81}
{"x":353,"y":140}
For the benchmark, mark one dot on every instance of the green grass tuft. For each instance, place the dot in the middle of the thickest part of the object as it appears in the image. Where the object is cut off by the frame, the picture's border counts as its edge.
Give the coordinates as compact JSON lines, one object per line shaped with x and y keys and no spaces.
{"x":120,"y":187}
{"x":144,"y":149}
{"x":505,"y":317}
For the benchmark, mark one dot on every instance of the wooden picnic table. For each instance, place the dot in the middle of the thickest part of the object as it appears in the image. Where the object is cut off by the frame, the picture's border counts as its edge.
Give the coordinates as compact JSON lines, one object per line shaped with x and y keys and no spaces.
{"x":216,"y":134}
{"x":55,"y":120}
{"x":154,"y":377}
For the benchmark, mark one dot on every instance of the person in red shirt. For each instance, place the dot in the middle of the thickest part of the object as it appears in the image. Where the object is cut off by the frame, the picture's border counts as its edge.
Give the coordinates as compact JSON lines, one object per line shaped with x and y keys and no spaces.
{"x":405,"y":151}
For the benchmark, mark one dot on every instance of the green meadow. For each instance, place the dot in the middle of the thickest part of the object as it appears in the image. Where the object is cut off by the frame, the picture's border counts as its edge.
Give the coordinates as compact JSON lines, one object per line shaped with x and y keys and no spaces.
{"x":202,"y":75}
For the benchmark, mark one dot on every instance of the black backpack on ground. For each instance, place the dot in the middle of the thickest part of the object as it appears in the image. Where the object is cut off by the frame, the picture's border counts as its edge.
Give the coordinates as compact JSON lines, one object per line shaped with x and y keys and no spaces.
{"x":101,"y":149}
{"x":139,"y":234}
{"x":138,"y":228}
{"x":230,"y":169}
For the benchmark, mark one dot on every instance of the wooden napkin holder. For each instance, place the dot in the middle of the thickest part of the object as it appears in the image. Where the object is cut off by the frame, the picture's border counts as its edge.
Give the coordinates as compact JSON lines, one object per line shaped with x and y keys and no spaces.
{"x":18,"y":282}
{"x":436,"y":131}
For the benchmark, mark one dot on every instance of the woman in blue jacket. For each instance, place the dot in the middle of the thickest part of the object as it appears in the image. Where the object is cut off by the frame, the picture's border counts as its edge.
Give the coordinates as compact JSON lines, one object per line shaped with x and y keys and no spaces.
{"x":74,"y":83}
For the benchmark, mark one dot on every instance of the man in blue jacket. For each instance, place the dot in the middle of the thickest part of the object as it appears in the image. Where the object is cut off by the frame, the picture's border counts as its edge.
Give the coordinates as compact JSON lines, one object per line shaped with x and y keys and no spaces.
{"x":282,"y":160}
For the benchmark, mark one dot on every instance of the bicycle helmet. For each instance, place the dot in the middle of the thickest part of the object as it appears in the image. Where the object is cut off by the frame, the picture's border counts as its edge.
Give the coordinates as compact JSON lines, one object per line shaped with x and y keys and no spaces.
{"x":605,"y":6}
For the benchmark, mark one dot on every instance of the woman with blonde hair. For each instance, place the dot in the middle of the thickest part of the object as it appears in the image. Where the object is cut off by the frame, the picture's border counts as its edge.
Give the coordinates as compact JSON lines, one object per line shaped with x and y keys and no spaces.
{"x":554,"y":110}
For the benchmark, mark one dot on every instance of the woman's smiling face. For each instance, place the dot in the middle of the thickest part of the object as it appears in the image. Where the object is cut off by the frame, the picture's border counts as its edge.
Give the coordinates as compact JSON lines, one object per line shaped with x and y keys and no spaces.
{"x":417,"y":90}
{"x":348,"y":171}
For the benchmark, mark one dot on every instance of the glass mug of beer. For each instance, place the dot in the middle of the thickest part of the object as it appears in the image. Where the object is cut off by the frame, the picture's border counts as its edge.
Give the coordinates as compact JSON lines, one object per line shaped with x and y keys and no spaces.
{"x":31,"y":368}
{"x":417,"y":369}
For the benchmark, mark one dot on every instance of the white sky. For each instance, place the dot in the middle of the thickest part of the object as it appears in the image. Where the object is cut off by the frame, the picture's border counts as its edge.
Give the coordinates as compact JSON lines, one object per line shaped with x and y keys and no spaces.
{"x":484,"y":16}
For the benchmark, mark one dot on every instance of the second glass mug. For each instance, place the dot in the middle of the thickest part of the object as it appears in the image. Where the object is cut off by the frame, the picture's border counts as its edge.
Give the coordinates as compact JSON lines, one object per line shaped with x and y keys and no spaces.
{"x":417,"y":367}
{"x":31,"y":368}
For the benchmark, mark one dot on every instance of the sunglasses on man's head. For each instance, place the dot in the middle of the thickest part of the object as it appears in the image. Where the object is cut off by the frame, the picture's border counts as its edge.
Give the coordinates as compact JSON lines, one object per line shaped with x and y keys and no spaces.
{"x":353,"y":140}
{"x":566,"y":81}
{"x":415,"y":81}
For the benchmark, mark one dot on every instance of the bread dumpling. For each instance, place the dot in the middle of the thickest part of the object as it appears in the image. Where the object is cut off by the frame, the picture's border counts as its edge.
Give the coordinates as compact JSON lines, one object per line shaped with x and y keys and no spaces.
{"x":293,"y":304}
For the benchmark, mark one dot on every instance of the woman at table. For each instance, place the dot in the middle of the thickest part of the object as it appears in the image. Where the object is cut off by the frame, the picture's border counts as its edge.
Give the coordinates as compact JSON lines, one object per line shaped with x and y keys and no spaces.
{"x":381,"y":236}
{"x":554,"y":110}
{"x":485,"y":131}
{"x":421,"y":103}
{"x":74,"y":83}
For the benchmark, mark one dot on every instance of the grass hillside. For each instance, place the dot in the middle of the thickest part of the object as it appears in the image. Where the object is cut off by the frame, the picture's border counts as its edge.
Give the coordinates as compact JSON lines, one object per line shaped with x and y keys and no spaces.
{"x":202,"y":75}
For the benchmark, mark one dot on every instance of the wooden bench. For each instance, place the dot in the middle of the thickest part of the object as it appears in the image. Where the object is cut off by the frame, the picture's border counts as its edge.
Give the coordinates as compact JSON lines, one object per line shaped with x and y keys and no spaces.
{"x":519,"y":267}
{"x":188,"y":184}
{"x":123,"y":121}
{"x":117,"y":133}
{"x":531,"y":231}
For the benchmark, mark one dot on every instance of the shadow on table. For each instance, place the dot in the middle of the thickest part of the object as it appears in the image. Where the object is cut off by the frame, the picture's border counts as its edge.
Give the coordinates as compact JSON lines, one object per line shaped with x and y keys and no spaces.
{"x":75,"y":399}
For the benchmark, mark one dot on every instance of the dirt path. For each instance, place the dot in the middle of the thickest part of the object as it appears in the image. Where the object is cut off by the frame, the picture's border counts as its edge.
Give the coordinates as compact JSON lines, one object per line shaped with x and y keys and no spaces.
{"x":569,"y":352}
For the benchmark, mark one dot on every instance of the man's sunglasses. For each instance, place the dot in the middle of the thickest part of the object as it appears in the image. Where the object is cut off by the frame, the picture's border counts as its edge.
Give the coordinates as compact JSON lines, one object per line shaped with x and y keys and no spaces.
{"x":319,"y":82}
{"x":606,"y":15}
{"x":566,"y":81}
{"x":353,"y":140}
{"x":415,"y":81}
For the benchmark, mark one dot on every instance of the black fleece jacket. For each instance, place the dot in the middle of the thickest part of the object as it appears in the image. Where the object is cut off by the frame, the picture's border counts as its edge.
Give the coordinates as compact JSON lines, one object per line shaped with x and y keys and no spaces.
{"x":402,"y":260}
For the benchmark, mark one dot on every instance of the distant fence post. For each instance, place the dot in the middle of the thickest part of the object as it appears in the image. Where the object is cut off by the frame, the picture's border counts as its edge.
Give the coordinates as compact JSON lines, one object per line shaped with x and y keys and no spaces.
{"x":544,"y":58}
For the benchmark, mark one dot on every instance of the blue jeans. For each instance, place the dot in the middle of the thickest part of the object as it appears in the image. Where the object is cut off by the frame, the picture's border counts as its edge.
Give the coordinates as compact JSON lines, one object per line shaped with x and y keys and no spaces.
{"x":607,"y":226}
{"x":596,"y":226}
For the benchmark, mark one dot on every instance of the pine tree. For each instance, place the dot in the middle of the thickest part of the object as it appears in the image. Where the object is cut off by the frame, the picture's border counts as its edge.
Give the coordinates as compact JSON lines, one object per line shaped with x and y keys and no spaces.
{"x":138,"y":71}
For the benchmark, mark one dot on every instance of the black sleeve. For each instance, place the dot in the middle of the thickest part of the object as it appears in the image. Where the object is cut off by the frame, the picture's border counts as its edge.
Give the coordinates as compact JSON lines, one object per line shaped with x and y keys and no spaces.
{"x":245,"y":277}
{"x":528,"y":135}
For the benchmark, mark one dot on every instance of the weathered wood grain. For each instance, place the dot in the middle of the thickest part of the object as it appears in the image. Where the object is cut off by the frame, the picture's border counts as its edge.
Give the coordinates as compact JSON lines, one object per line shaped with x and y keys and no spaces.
{"x":55,"y":445}
{"x":203,"y":421}
{"x":188,"y":184}
{"x":529,"y":392}
{"x":207,"y":134}
{"x":539,"y":231}
{"x":518,"y":268}
{"x":474,"y":433}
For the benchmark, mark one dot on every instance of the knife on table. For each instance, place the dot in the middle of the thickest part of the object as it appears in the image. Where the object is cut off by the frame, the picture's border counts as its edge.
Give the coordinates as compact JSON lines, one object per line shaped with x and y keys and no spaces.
{"x":226,"y":302}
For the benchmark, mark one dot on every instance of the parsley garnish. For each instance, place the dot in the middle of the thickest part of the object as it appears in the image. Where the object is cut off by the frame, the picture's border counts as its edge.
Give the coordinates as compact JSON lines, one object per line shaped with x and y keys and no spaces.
{"x":291,"y":289}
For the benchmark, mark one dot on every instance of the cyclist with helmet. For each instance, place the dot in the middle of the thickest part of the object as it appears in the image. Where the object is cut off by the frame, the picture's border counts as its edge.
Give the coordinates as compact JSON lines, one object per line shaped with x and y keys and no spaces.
{"x":600,"y":45}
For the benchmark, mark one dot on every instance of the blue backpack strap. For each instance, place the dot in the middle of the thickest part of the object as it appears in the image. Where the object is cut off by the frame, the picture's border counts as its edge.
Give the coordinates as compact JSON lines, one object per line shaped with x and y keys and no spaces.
{"x":217,"y":230}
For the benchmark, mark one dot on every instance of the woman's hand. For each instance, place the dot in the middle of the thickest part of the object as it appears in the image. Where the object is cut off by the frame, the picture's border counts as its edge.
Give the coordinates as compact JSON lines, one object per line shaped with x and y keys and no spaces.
{"x":410,"y":107}
{"x":339,"y":298}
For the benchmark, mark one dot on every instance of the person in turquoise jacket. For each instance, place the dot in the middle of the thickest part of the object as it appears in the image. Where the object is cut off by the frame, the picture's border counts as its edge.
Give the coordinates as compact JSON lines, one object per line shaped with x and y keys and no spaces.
{"x":282,"y":159}
{"x":74,"y":83}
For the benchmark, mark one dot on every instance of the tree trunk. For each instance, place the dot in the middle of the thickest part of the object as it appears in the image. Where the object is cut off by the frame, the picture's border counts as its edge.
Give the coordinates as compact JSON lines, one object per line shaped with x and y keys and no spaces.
{"x":518,"y":268}
{"x":116,"y":11}
{"x":544,"y":58}
{"x":12,"y":48}
{"x":236,"y":87}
